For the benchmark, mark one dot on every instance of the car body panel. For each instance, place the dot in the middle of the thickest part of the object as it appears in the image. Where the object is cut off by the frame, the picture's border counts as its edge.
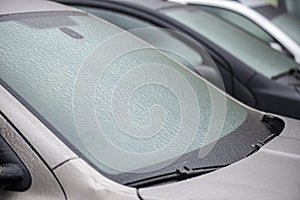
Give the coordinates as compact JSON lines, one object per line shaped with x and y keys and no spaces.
{"x":272,"y":173}
{"x":253,"y":175}
{"x":47,"y":144}
{"x":39,"y":171}
{"x":90,"y":184}
{"x":64,"y":163}
{"x":9,"y":7}
{"x":35,"y":136}
{"x":75,"y":179}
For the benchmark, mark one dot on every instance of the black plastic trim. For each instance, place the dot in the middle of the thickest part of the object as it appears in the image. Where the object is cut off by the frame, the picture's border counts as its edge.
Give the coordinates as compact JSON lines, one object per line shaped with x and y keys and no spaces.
{"x":20,"y":179}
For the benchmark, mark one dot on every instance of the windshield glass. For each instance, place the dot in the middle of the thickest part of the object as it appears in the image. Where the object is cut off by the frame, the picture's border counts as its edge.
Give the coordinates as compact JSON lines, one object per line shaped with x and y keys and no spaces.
{"x":121,"y":104}
{"x":239,"y":21}
{"x":159,"y":38}
{"x":176,"y":45}
{"x":248,"y":49}
{"x":289,"y":24}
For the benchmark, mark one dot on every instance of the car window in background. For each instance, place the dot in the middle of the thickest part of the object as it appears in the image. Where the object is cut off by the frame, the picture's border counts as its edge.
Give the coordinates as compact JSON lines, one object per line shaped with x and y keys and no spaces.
{"x":240,"y":21}
{"x":122,"y":104}
{"x":248,"y":49}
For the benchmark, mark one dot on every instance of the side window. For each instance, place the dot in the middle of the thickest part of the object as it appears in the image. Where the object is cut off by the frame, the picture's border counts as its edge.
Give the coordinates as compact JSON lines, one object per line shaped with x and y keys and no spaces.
{"x":241,"y":22}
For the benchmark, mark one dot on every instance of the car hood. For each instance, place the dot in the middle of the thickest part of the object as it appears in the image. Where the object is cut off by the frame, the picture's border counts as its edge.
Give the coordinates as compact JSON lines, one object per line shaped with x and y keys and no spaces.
{"x":271,"y":173}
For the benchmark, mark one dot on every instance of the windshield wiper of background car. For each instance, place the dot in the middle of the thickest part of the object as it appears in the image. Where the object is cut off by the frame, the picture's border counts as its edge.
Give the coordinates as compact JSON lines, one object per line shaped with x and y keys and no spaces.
{"x":177,"y":175}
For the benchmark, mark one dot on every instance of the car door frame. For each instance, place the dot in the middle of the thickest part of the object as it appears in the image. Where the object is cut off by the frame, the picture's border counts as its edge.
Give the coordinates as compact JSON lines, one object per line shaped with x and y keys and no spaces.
{"x":42,"y":146}
{"x":44,"y":183}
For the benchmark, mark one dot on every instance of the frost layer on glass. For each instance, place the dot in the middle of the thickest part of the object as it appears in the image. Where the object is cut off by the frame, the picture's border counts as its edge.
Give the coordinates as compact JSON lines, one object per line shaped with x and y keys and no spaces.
{"x":52,"y":71}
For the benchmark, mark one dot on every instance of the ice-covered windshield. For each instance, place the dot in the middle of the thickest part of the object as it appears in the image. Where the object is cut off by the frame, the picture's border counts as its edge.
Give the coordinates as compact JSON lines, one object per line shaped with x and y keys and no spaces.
{"x":121,"y":103}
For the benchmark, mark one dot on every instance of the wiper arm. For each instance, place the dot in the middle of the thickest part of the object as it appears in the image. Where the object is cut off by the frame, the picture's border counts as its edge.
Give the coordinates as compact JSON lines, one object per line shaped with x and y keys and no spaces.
{"x":177,"y":175}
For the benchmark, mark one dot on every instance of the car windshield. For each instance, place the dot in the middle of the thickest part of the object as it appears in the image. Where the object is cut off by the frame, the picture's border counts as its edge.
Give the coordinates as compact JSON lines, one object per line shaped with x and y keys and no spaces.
{"x":248,"y":49}
{"x":289,"y":24}
{"x":239,"y":21}
{"x":122,"y":105}
{"x":176,"y":45}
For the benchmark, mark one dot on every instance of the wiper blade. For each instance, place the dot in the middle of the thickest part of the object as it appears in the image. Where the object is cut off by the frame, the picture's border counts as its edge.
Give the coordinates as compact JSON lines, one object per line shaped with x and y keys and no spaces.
{"x":177,"y":175}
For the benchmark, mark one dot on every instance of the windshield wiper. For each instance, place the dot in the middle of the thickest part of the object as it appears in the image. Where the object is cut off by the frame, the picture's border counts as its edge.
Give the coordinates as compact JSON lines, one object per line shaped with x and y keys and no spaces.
{"x":273,"y":124}
{"x":177,"y":175}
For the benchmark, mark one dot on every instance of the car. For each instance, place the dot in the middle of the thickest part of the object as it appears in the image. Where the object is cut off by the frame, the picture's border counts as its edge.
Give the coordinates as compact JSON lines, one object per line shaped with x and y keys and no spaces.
{"x":289,"y":23}
{"x":90,"y":111}
{"x":252,"y":72}
{"x":257,"y":20}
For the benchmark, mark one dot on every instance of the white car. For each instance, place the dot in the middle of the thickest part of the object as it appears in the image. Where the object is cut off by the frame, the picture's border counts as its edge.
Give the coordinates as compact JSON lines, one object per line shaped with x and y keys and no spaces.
{"x":251,"y":21}
{"x":89,"y":111}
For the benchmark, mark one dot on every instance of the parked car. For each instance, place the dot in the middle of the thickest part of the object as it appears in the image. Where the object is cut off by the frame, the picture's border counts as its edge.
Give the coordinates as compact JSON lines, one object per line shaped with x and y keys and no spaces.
{"x":252,"y":72}
{"x":90,"y":111}
{"x":288,"y":23}
{"x":255,"y":21}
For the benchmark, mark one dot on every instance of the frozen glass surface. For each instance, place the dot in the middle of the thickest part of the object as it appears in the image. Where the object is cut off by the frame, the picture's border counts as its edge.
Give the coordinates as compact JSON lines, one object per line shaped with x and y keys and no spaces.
{"x":120,"y":102}
{"x":158,"y":37}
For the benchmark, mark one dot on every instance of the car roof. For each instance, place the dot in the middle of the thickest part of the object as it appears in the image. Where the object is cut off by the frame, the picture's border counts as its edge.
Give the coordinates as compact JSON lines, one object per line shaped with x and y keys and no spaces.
{"x":8,"y":7}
